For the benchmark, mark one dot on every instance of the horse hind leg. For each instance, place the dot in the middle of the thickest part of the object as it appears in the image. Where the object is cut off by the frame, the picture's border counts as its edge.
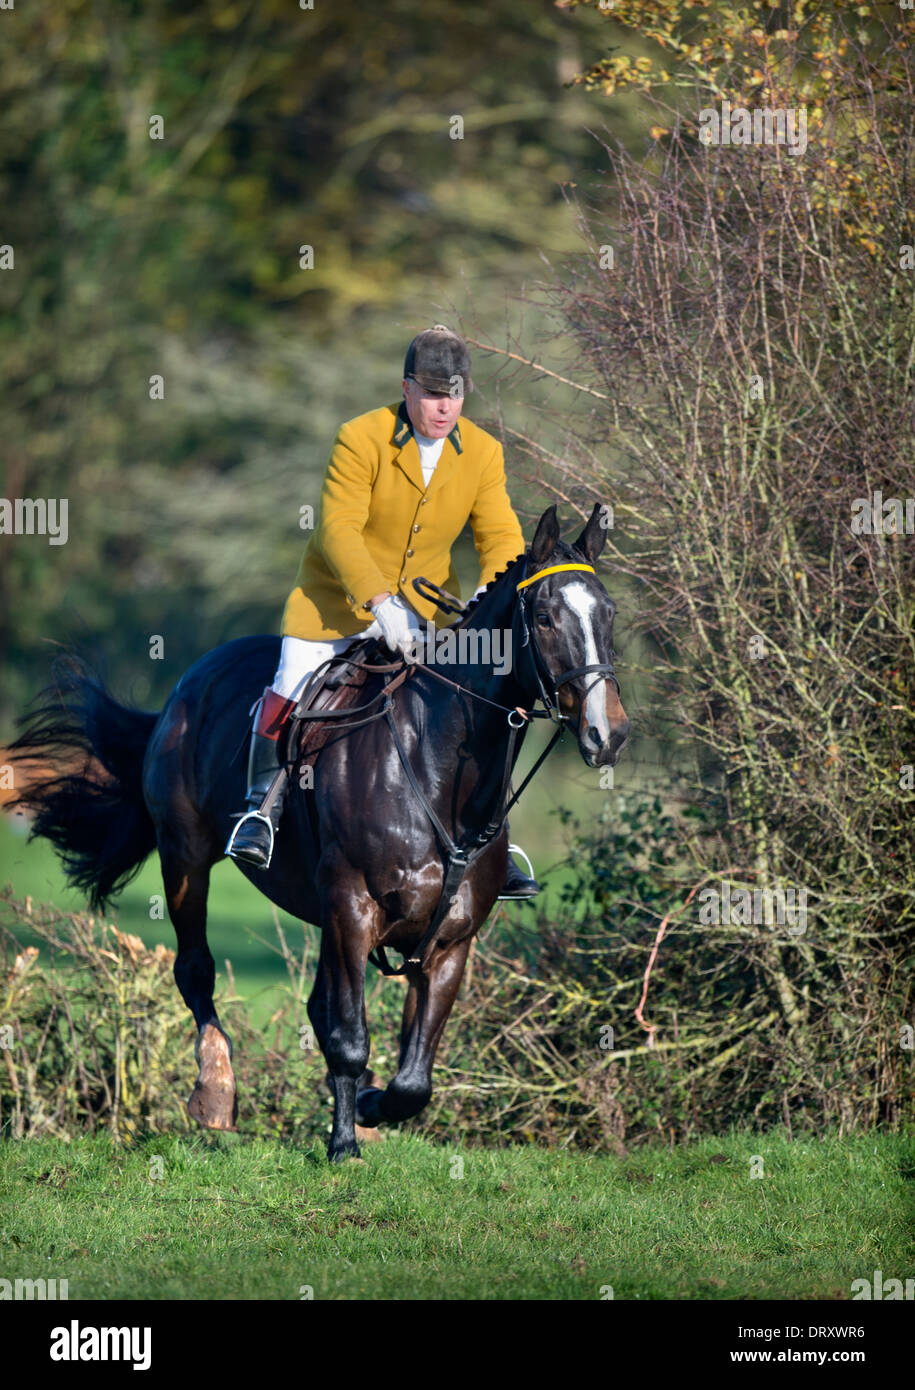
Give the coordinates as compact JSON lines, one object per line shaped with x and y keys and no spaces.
{"x":213,"y":1102}
{"x":368,"y":1081}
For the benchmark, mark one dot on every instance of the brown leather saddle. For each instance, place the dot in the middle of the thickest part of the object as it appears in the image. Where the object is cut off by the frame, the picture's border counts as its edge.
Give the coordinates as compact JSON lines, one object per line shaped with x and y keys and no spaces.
{"x":335,"y":692}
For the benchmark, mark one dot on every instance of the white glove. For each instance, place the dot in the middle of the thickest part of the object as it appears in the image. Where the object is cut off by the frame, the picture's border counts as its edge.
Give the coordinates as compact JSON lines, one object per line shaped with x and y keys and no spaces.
{"x":400,"y":629}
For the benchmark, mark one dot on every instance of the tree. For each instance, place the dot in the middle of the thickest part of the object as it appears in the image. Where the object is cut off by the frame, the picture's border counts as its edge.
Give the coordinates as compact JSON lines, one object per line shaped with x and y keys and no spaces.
{"x":749,"y":359}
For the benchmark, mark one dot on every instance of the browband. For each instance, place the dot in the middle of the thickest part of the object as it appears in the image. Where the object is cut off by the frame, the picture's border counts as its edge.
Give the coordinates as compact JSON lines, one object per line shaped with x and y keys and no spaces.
{"x":553,"y":569}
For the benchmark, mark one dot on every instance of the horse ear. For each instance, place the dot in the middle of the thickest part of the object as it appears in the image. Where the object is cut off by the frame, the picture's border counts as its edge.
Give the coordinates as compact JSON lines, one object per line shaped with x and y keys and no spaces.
{"x":546,"y":537}
{"x":591,"y":540}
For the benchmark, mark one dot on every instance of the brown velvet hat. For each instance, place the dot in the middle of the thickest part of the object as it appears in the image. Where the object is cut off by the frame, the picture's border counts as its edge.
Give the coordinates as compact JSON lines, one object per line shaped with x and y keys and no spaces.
{"x":439,"y":361}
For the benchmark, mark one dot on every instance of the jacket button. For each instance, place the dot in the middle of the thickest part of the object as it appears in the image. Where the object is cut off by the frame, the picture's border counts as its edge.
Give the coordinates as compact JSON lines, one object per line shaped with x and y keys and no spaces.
{"x":417,"y":528}
{"x":409,"y":553}
{"x":424,"y":501}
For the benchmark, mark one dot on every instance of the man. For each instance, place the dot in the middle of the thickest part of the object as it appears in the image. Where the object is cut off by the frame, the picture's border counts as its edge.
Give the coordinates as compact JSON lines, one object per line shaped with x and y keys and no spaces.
{"x":401,"y":484}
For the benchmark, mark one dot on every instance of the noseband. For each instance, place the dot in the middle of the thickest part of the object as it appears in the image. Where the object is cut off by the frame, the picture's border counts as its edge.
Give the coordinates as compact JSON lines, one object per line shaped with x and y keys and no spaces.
{"x":601,"y":670}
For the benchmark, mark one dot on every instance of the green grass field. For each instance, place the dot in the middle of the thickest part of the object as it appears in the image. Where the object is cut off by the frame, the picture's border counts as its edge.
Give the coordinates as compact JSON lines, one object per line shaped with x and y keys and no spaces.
{"x":232,"y":1218}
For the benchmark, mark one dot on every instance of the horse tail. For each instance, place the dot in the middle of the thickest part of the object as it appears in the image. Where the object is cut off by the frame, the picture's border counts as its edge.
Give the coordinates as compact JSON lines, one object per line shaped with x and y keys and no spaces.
{"x":92,"y":810}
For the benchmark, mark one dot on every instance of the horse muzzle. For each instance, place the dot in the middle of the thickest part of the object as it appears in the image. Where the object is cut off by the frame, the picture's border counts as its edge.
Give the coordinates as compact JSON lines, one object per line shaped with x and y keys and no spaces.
{"x":602,"y":727}
{"x":606,"y":752}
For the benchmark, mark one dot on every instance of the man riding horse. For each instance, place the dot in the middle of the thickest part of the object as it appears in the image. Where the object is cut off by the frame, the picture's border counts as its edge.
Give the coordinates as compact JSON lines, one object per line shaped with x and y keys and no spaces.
{"x":400,"y":486}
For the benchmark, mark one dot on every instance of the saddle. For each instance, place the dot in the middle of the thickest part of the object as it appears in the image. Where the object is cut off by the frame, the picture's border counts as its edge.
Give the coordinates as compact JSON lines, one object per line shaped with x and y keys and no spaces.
{"x":335,"y":690}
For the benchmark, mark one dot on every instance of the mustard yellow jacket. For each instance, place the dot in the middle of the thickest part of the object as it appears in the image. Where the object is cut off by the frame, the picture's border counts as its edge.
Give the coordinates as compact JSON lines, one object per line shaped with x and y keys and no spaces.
{"x":379,"y":525}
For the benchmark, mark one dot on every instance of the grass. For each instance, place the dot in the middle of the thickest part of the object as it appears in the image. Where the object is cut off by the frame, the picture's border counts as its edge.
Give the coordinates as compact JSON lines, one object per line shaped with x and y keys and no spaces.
{"x":237,"y":1218}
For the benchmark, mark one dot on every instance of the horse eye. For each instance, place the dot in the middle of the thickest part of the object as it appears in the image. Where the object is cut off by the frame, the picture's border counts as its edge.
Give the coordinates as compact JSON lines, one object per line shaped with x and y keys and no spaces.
{"x":543,"y":620}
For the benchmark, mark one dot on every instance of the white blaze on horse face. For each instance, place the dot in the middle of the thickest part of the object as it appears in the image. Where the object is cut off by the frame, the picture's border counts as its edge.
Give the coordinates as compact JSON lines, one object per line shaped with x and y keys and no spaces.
{"x":581,"y":603}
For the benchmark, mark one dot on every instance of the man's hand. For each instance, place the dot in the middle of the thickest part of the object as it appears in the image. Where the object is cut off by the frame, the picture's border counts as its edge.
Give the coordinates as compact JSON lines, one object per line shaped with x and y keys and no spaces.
{"x":399,"y":626}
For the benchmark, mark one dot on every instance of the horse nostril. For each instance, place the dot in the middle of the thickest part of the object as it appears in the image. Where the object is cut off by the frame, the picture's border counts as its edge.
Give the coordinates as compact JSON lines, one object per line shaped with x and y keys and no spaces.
{"x":594,"y":736}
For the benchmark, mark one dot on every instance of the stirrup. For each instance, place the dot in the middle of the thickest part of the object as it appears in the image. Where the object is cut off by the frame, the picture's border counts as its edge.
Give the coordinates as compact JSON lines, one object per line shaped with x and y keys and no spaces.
{"x":253,"y":815}
{"x":516,"y":849}
{"x":516,"y":887}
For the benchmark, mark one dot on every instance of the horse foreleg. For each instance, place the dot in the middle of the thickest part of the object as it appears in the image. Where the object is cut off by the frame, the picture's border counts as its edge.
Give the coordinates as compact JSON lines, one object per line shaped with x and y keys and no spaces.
{"x":213,"y":1102}
{"x":429,"y":1001}
{"x":337,"y":1012}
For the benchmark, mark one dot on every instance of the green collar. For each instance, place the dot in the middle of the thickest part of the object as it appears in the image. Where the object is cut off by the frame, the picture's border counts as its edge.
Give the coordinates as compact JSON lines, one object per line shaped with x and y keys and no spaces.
{"x":405,"y":429}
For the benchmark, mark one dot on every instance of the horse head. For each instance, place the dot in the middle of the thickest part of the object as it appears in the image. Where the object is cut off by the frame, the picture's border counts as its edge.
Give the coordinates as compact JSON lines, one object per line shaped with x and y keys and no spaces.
{"x":569,"y":629}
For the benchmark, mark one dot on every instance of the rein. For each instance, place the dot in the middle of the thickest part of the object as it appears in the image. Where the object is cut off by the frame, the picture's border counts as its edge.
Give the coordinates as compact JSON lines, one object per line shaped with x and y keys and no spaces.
{"x":459,"y":857}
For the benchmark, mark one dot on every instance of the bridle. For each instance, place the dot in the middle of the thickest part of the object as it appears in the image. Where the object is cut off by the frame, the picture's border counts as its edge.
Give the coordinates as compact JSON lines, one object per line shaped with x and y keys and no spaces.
{"x":550,"y":698}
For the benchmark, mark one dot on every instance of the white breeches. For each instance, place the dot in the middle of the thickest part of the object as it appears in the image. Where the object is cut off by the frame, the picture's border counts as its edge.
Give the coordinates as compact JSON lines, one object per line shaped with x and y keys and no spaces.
{"x":299,"y":658}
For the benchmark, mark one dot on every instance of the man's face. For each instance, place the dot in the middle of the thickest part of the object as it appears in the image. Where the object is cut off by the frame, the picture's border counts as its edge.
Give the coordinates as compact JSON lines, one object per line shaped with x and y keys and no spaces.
{"x":432,"y":413}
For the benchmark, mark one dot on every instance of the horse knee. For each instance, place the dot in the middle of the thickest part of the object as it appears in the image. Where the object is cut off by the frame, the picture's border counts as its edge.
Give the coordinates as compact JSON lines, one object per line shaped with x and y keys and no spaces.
{"x":347,"y":1054}
{"x":194,"y":968}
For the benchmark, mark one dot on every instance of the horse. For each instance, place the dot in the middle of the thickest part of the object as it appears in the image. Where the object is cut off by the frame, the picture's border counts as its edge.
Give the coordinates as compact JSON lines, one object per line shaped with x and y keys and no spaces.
{"x":360,"y":850}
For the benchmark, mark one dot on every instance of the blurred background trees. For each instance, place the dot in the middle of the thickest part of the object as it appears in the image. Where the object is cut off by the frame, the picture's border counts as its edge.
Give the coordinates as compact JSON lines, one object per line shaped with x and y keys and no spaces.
{"x":180,"y":256}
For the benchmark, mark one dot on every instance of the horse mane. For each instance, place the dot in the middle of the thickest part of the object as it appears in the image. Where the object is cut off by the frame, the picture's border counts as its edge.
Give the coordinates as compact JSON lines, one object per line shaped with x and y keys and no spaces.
{"x":564,"y":549}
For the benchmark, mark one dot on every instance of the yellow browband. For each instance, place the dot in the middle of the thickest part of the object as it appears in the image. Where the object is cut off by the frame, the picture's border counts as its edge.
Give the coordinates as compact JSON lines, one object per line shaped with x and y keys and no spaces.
{"x":554,"y":569}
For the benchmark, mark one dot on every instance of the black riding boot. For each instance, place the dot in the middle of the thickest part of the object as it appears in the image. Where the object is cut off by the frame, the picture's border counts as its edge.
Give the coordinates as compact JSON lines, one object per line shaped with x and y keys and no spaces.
{"x":252,"y":839}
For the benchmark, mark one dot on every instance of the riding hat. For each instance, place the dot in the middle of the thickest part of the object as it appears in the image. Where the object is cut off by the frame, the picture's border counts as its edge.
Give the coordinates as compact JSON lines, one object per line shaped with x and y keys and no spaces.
{"x":439,"y":361}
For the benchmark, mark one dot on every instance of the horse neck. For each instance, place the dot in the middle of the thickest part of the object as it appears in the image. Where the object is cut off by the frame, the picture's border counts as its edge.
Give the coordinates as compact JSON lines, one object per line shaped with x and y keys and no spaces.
{"x":469,"y":732}
{"x":495,"y":617}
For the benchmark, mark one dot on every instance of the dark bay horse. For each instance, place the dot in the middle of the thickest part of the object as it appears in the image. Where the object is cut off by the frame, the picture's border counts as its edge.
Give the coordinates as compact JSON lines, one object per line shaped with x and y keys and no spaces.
{"x":356,"y":853}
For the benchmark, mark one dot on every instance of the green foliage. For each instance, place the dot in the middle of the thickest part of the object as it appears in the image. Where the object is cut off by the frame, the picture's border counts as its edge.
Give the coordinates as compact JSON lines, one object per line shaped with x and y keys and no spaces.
{"x":748,"y":361}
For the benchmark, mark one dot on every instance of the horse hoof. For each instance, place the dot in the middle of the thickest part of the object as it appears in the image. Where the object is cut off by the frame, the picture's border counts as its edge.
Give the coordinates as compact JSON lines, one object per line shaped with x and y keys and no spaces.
{"x":212,"y":1111}
{"x":338,"y":1152}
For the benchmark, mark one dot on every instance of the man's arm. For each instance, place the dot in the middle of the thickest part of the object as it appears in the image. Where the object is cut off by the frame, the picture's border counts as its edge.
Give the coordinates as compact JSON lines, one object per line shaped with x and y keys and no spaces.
{"x":345,"y":500}
{"x":496,"y":530}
